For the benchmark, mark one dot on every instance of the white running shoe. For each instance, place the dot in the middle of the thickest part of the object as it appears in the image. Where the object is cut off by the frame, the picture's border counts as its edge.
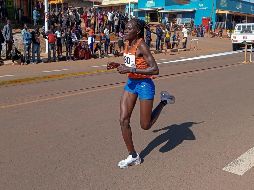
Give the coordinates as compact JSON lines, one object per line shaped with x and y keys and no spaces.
{"x":165,"y":96}
{"x":129,"y":161}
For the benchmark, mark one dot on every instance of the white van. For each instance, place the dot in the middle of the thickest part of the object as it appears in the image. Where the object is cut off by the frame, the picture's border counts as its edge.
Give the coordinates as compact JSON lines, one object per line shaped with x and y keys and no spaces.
{"x":243,"y":33}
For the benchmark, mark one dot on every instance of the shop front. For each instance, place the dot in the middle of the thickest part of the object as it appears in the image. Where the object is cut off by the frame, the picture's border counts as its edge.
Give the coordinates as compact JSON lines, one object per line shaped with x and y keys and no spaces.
{"x":124,"y":6}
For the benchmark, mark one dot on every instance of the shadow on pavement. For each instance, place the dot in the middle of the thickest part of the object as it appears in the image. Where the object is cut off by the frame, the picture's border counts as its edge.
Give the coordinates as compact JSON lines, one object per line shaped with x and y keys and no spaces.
{"x":174,"y":136}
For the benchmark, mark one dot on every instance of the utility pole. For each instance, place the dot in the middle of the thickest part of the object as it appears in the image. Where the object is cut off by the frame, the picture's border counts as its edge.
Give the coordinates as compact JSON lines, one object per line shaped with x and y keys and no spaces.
{"x":129,"y":11}
{"x":46,"y":21}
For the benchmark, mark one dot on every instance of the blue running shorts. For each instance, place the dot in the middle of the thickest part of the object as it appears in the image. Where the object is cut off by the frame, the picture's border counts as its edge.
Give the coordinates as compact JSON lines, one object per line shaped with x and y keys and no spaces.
{"x":144,"y":88}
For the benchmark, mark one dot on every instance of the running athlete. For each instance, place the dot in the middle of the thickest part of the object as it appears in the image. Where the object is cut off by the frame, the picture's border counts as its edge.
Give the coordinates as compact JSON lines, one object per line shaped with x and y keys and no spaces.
{"x":140,"y":66}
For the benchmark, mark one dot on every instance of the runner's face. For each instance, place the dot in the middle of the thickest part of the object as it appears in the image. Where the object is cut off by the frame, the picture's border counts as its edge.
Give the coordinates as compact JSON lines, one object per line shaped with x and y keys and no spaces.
{"x":131,"y":31}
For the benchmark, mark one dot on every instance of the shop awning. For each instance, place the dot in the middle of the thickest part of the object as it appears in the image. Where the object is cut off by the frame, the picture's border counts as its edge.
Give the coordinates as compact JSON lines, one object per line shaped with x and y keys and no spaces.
{"x":233,"y":13}
{"x":177,"y":10}
{"x":148,"y":9}
{"x":222,"y":12}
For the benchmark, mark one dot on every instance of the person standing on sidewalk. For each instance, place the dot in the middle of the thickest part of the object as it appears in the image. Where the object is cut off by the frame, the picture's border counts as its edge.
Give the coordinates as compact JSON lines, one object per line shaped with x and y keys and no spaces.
{"x":52,"y":45}
{"x":159,"y":34}
{"x":59,"y":42}
{"x":8,"y":37}
{"x":27,"y":40}
{"x":185,"y":37}
{"x":148,"y":36}
{"x":36,"y":46}
{"x":1,"y":42}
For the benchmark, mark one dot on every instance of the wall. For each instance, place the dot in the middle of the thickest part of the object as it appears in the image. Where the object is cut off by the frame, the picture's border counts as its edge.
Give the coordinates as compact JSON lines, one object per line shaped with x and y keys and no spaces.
{"x":203,"y":8}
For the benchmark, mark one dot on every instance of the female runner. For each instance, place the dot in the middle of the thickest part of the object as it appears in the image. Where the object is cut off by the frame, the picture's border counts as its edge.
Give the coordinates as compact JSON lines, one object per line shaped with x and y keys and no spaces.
{"x":140,"y":66}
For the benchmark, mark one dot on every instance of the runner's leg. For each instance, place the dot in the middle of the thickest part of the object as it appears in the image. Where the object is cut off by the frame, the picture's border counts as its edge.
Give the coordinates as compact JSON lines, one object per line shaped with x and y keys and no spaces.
{"x":127,"y":105}
{"x":147,"y":116}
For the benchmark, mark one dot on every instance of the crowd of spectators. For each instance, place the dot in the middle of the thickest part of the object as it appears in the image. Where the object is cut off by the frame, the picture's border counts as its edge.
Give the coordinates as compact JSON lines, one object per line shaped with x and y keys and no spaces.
{"x":92,"y":34}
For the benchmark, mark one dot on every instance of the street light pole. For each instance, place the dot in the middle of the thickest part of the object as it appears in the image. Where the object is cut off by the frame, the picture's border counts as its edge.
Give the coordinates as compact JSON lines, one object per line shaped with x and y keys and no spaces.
{"x":46,"y":21}
{"x":129,"y":9}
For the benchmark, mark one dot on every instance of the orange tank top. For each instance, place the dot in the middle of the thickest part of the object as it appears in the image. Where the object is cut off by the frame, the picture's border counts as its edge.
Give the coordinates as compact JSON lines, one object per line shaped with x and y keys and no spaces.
{"x":131,"y":60}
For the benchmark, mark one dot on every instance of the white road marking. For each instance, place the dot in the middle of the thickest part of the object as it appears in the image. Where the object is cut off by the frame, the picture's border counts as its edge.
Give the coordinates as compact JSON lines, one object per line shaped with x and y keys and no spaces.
{"x":6,"y":76}
{"x":56,"y":70}
{"x":182,"y":59}
{"x":242,"y":164}
{"x":203,"y":57}
{"x":104,"y":65}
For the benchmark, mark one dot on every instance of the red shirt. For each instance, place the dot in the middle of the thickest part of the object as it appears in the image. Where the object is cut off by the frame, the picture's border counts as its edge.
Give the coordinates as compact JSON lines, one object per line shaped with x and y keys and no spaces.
{"x":84,"y":16}
{"x":51,"y":38}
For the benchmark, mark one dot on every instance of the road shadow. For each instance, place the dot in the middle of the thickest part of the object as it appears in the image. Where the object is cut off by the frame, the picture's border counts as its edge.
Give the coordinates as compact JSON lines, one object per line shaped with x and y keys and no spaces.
{"x":174,"y":136}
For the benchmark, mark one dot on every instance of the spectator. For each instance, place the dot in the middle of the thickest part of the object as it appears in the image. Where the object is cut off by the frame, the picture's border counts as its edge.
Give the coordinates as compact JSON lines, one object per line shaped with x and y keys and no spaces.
{"x":1,"y":42}
{"x":36,"y":46}
{"x":51,"y":45}
{"x":185,"y":37}
{"x":106,"y":32}
{"x":16,"y":56}
{"x":121,"y":41}
{"x":167,"y":39}
{"x":100,"y":20}
{"x":116,"y":23}
{"x":69,"y":44}
{"x":36,"y":16}
{"x":111,"y":21}
{"x":8,"y":37}
{"x":91,"y":38}
{"x":102,"y":44}
{"x":59,"y":43}
{"x":84,"y":17}
{"x":159,"y":34}
{"x":27,"y":40}
{"x":148,"y":36}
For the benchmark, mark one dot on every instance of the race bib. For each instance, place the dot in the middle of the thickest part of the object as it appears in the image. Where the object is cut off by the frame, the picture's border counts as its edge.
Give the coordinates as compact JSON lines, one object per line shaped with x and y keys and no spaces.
{"x":130,"y":60}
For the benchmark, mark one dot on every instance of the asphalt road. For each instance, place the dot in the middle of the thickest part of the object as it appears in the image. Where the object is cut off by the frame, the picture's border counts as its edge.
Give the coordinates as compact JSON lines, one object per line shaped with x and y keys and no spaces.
{"x":64,"y":134}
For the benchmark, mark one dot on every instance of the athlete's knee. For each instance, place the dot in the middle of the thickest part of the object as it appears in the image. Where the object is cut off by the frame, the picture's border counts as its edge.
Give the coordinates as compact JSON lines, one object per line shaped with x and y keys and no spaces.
{"x":124,"y":121}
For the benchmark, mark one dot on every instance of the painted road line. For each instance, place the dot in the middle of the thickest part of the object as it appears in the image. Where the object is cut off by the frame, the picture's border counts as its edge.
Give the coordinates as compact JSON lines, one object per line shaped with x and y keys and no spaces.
{"x":95,"y":66}
{"x":56,"y":70}
{"x":203,"y":57}
{"x":104,"y":65}
{"x":6,"y":76}
{"x":242,"y":164}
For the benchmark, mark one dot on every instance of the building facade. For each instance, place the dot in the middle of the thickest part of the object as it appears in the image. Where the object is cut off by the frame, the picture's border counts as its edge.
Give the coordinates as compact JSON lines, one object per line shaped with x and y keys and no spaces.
{"x":120,"y":5}
{"x":218,"y":12}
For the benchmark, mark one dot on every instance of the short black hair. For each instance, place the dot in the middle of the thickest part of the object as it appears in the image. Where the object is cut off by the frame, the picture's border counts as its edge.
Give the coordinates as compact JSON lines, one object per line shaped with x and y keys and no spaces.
{"x":140,"y":24}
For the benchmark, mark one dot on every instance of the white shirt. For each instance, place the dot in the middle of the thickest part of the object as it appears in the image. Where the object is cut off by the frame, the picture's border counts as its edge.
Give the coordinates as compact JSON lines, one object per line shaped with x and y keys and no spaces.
{"x":106,"y":32}
{"x":185,"y":32}
{"x":58,"y":34}
{"x":110,"y":16}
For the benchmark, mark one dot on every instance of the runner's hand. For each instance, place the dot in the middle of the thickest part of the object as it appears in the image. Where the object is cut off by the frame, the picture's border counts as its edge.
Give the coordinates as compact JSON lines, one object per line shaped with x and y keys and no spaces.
{"x":112,"y":65}
{"x":123,"y":69}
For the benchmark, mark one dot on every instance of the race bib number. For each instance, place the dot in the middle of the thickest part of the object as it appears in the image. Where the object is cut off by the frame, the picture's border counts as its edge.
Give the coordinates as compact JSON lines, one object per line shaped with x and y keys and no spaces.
{"x":130,"y":60}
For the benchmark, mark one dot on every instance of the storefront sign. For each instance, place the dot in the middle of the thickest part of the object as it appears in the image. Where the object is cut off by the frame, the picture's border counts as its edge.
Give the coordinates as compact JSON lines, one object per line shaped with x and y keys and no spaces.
{"x":150,"y":3}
